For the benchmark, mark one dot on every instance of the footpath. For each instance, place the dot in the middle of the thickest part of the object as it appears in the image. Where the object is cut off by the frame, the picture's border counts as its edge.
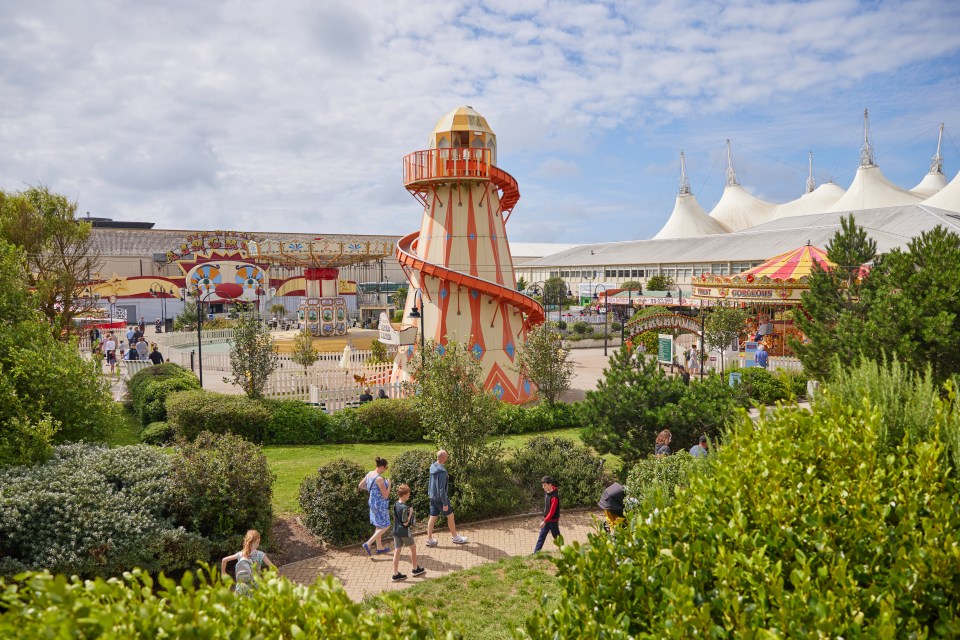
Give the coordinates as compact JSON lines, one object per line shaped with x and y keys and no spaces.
{"x":489,"y":541}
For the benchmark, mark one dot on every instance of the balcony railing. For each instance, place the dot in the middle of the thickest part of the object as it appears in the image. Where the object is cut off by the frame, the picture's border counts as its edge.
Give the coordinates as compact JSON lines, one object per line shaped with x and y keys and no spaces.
{"x":438,"y":164}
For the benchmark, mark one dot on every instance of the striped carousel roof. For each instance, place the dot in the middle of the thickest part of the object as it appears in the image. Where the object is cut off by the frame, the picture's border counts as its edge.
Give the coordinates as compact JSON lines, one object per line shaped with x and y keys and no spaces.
{"x":794,"y":264}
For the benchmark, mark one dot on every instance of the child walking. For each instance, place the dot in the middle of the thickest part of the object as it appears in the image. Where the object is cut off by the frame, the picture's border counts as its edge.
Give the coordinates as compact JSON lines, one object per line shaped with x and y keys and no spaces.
{"x":250,"y":561}
{"x":551,"y":512}
{"x":403,"y":520}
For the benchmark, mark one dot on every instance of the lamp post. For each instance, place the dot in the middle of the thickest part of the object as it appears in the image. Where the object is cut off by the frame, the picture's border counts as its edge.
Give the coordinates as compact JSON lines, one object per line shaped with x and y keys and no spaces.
{"x":703,"y":339}
{"x":418,"y":313}
{"x":160,"y":292}
{"x":194,"y":290}
{"x":113,"y":302}
{"x":595,"y":297}
{"x":627,"y":314}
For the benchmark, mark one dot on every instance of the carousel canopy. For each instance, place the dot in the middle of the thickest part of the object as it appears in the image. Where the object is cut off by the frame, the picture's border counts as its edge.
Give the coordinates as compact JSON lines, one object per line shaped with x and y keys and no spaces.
{"x":793,"y":265}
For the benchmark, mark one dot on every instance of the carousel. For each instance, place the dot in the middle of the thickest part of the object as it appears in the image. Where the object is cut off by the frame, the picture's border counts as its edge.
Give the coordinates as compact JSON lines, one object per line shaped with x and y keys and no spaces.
{"x":769,"y":291}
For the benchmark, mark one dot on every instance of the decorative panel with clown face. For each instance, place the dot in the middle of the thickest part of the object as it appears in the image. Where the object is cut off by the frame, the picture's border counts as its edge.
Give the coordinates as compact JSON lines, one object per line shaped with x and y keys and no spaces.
{"x":206,"y":276}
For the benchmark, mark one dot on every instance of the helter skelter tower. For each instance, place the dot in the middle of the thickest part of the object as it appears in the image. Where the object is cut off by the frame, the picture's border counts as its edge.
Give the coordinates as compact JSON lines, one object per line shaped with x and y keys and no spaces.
{"x":459,"y":263}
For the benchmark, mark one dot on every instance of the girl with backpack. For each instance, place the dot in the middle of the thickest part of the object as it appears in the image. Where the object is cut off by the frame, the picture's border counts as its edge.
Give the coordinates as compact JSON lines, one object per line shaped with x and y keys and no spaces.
{"x":250,"y":561}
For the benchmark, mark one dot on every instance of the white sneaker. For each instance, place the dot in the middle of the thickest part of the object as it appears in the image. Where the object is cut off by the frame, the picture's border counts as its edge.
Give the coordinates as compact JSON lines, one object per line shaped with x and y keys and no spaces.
{"x":459,"y":540}
{"x":432,"y":543}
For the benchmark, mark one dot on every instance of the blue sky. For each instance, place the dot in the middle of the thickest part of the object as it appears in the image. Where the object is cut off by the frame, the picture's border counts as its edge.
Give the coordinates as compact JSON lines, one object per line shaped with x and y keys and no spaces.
{"x":295,"y":115}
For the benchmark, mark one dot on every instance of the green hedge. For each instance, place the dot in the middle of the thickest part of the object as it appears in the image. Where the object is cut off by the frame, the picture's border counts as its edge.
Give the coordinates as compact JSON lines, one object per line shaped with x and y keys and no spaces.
{"x":514,"y":419}
{"x":653,"y":483}
{"x":579,"y":471}
{"x":199,"y":606}
{"x":809,"y":525}
{"x":157,"y":433}
{"x":295,"y":422}
{"x":192,"y":412}
{"x":763,"y":386}
{"x":333,"y":508}
{"x":150,"y":387}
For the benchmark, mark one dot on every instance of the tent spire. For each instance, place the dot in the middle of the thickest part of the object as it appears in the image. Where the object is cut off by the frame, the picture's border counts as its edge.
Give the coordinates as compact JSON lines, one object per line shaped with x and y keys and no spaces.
{"x":936,"y":163}
{"x":811,"y":183}
{"x":684,"y":182}
{"x":731,"y":172}
{"x":866,"y":151}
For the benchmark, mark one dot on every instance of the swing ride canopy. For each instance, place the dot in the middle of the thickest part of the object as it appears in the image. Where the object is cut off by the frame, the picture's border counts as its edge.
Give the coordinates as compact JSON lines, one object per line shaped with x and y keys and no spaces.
{"x":778,"y":281}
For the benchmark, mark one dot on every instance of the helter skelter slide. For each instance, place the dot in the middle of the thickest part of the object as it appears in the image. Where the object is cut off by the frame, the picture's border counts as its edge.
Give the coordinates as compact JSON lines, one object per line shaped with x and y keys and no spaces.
{"x":459,"y":264}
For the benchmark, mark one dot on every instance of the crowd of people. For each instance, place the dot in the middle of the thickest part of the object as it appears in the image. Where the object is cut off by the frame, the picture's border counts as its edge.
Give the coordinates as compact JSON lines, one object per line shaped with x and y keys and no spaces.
{"x":114,"y":350}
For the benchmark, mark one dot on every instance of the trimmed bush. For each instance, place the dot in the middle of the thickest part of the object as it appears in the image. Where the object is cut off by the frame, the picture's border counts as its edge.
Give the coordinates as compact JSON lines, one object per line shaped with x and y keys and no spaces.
{"x":148,"y":399}
{"x":513,"y":419}
{"x":484,"y":490}
{"x":157,"y":433}
{"x":653,"y":483}
{"x":392,"y":420}
{"x":295,"y":422}
{"x":796,"y":382}
{"x":344,"y":427}
{"x":808,"y":526}
{"x":199,"y":606}
{"x":192,"y":412}
{"x":413,"y":468}
{"x":333,"y":508}
{"x":221,"y":486}
{"x":762,"y":386}
{"x":578,"y":470}
{"x":581,"y":328}
{"x":93,"y":511}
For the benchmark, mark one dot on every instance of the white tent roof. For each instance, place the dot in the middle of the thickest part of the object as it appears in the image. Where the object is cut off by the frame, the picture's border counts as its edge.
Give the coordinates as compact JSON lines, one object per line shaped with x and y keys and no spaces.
{"x":931,"y":183}
{"x":817,"y":201}
{"x":739,"y":210}
{"x":947,"y":198}
{"x":689,"y":219}
{"x":871,"y":190}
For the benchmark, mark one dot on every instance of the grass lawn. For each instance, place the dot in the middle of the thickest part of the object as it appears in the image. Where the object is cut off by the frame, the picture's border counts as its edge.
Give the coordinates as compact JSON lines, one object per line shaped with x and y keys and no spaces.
{"x":127,"y":431}
{"x":488,"y":601}
{"x":294,"y":463}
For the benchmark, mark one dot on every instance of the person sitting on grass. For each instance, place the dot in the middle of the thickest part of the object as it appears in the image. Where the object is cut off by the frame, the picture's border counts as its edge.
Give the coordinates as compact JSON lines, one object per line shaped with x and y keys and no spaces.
{"x":403,"y":521}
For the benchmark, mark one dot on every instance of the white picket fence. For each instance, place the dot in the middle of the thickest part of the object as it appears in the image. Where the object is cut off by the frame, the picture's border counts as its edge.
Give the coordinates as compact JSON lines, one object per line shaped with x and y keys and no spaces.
{"x":221,"y":361}
{"x":184,"y":339}
{"x":331,"y":400}
{"x":295,"y":384}
{"x":781,"y":363}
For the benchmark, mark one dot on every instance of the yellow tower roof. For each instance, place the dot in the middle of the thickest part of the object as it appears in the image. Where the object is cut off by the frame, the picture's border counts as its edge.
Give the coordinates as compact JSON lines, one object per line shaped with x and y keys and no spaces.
{"x":462,"y":119}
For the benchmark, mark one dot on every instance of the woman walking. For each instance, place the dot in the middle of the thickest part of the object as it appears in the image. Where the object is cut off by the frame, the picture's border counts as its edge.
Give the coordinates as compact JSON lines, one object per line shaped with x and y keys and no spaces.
{"x":379,"y":489}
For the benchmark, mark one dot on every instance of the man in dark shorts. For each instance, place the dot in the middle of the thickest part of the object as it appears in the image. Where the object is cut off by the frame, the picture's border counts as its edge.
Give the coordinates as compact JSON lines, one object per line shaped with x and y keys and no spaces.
{"x":440,"y":501}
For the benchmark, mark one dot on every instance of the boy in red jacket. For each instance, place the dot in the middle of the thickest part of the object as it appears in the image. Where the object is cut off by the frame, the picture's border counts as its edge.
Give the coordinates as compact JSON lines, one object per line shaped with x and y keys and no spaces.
{"x":551,"y":512}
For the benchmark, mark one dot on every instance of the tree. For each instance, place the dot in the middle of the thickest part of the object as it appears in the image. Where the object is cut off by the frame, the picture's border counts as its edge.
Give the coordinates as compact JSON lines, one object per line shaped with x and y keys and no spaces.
{"x":278,"y":311}
{"x":303,"y":352}
{"x":660,"y":282}
{"x":458,"y":413}
{"x":721,"y":326}
{"x":522,"y":284}
{"x":543,"y":361}
{"x":833,"y":314}
{"x":187,"y":319}
{"x":60,"y":257}
{"x":378,"y":352}
{"x":554,"y":291}
{"x":634,"y":285}
{"x":253,"y":356}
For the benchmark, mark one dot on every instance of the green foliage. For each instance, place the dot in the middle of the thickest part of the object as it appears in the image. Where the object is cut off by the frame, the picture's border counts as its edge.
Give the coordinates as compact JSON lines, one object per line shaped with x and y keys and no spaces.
{"x":543,"y":361}
{"x":390,"y":420}
{"x":561,"y":325}
{"x":457,"y":413}
{"x":144,"y":383}
{"x":191,"y":412}
{"x":660,"y":282}
{"x":554,"y":291}
{"x":278,"y":311}
{"x":378,"y":352}
{"x":485,"y":489}
{"x":515,"y":419}
{"x":186,"y":320}
{"x":763,"y":386}
{"x":581,"y":328}
{"x":578,"y":470}
{"x":722,"y":325}
{"x":653,"y":483}
{"x":25,"y":442}
{"x":636,"y":400}
{"x":221,"y":486}
{"x":253,"y":356}
{"x":94,"y":511}
{"x":199,"y":606}
{"x":295,"y":422}
{"x":333,"y":508}
{"x":303,"y":352}
{"x":157,"y":433}
{"x":413,"y":468}
{"x":805,"y":527}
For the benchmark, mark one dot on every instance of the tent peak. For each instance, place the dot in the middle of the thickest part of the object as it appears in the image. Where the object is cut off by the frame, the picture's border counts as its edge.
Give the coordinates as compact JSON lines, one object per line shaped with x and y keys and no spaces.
{"x":731,"y":172}
{"x":866,"y":151}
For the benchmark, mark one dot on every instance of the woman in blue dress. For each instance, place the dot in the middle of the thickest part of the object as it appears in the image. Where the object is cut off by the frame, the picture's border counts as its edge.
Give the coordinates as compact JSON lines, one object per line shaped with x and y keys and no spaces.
{"x":379,"y":489}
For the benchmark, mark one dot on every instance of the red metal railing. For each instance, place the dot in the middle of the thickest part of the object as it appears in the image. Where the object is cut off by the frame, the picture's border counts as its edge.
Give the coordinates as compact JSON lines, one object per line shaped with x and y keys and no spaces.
{"x":439,"y":165}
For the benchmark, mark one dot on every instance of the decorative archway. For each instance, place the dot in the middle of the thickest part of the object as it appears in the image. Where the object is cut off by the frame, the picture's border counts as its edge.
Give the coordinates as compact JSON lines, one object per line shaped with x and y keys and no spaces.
{"x":664,"y":321}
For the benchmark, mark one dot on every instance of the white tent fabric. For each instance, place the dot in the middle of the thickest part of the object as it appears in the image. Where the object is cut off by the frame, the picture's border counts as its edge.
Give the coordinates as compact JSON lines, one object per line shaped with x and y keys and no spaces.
{"x":738,"y":210}
{"x":931,"y":183}
{"x":871,"y":190}
{"x":689,"y":219}
{"x":947,"y":198}
{"x":817,"y":201}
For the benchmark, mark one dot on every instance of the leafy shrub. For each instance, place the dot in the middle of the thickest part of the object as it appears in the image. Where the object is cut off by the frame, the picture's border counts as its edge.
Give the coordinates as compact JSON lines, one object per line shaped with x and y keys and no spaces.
{"x":295,"y":422}
{"x":333,"y":509}
{"x":562,"y":325}
{"x":615,"y":326}
{"x":23,"y":441}
{"x":221,"y":486}
{"x":378,"y":352}
{"x":483,"y":490}
{"x":796,"y":382}
{"x":763,"y":386}
{"x":413,"y":468}
{"x":93,"y":511}
{"x":199,"y":606}
{"x":807,"y":526}
{"x":514,"y":419}
{"x":578,"y":470}
{"x":192,"y":412}
{"x":653,"y":483}
{"x":157,"y":433}
{"x":580,"y":327}
{"x":345,"y":427}
{"x":148,"y":399}
{"x":393,"y":420}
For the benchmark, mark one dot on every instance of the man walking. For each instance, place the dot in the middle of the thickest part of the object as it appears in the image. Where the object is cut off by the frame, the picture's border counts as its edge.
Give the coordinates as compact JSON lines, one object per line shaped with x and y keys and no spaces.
{"x":439,"y":501}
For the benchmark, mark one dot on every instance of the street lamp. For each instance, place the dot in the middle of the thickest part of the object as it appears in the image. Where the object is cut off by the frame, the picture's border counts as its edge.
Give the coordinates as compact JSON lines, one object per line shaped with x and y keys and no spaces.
{"x":415,"y":313}
{"x":195,"y":291}
{"x":160,"y":292}
{"x":595,"y":297}
{"x":628,"y":313}
{"x":113,"y":302}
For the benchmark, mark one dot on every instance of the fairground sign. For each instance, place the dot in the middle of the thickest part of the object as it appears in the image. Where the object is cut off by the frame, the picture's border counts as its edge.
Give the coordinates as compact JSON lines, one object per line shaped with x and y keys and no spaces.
{"x":665,"y":321}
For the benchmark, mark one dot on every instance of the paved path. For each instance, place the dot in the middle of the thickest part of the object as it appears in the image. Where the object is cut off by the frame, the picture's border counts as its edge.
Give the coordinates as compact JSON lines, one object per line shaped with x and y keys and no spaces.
{"x":490,"y":541}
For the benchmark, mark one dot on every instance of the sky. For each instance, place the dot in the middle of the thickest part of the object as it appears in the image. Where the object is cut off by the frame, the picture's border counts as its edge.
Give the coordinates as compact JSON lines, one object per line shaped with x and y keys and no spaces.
{"x":295,"y":115}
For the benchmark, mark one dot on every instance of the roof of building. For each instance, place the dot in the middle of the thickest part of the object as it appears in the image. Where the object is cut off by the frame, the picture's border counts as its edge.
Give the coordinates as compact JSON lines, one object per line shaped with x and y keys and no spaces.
{"x":813,"y":202}
{"x":739,"y":210}
{"x":947,"y":198}
{"x":890,"y":227}
{"x":689,"y":219}
{"x":872,"y":190}
{"x":931,"y":184}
